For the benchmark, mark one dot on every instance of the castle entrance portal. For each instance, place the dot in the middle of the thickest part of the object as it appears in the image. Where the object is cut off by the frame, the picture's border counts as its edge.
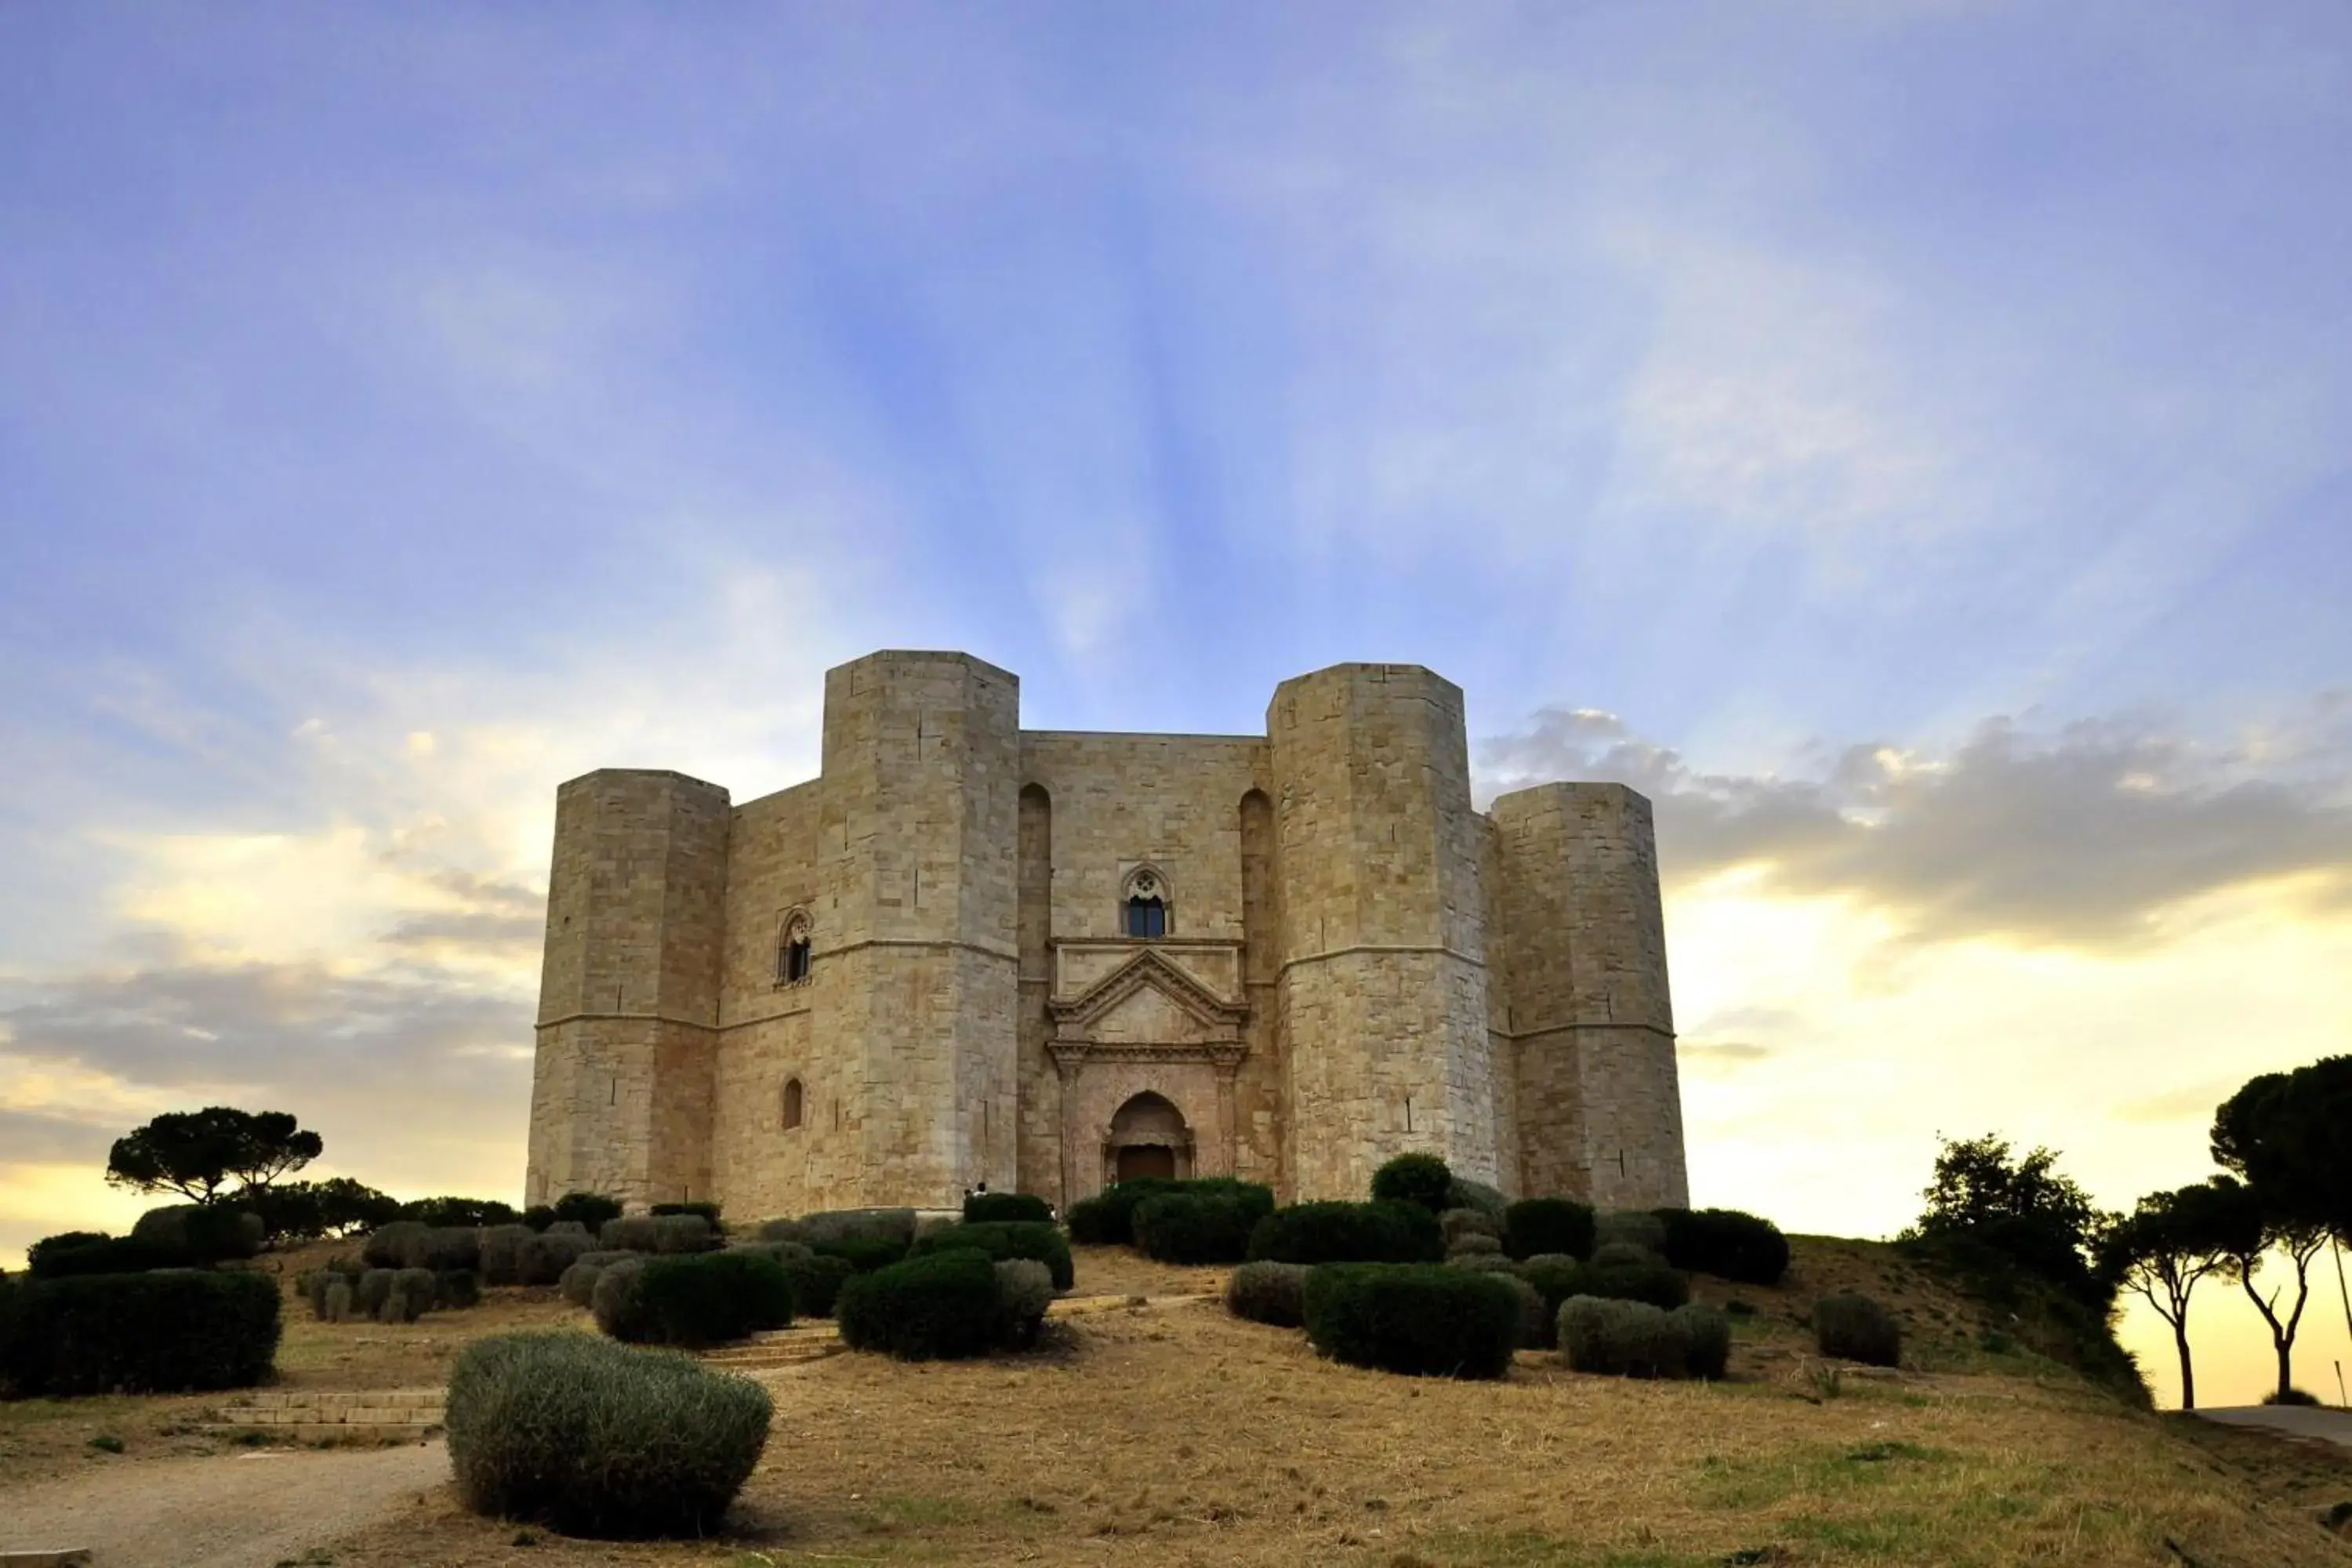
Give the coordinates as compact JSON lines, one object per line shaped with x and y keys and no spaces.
{"x":1148,"y":1137}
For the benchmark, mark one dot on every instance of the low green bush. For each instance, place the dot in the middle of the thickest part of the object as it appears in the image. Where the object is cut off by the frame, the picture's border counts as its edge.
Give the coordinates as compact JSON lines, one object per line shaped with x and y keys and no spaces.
{"x":1268,"y":1292}
{"x":1455,"y":1224}
{"x":628,"y":1233}
{"x":579,"y":1282}
{"x":1855,"y":1328}
{"x":438,"y":1248}
{"x":1487,"y":1263}
{"x":1710,"y":1340}
{"x":1630,"y":1228}
{"x":895,"y":1225}
{"x":1536,"y":1320}
{"x":1025,"y":1288}
{"x":613,"y":1296}
{"x":1004,"y":1239}
{"x":542,"y":1259}
{"x":985,"y":1208}
{"x":864,"y":1253}
{"x":408,"y":1295}
{"x":336,"y":1308}
{"x":707,"y":1213}
{"x":592,"y":1439}
{"x":202,"y":1233}
{"x":164,"y":1331}
{"x":80,"y":1253}
{"x":1623,"y":1339}
{"x":590,"y":1209}
{"x":1725,"y":1243}
{"x":1382,"y":1232}
{"x":1108,"y":1219}
{"x":1623,"y":1255}
{"x":372,"y":1289}
{"x":539,"y":1217}
{"x":387,"y":1246}
{"x":1534,"y":1226}
{"x":1470,"y":1244}
{"x":1633,"y":1275}
{"x":1420,"y":1179}
{"x":936,"y":1306}
{"x":1415,"y":1319}
{"x":1466,"y":1194}
{"x":456,"y":1288}
{"x":501,"y":1252}
{"x":1198,"y":1228}
{"x":704,"y":1298}
{"x":816,"y":1281}
{"x":459,"y":1213}
{"x":778,"y":1250}
{"x":668,"y":1235}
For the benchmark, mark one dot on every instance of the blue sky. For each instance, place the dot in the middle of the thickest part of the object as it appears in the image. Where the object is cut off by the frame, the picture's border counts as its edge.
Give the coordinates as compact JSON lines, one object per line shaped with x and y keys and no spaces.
{"x":1909,"y":441}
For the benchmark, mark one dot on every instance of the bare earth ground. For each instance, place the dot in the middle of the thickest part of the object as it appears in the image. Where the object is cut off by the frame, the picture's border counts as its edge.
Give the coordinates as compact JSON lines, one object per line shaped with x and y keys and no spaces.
{"x":1176,"y":1433}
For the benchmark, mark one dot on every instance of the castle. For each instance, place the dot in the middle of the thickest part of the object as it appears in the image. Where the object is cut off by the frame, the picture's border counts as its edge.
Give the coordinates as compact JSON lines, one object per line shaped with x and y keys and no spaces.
{"x":1050,"y":960}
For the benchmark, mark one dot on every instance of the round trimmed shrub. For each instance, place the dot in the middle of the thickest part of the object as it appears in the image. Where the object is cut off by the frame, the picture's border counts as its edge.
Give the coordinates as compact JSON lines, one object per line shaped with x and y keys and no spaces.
{"x":457,"y":1289}
{"x":501,"y":1252}
{"x":136,"y":1333}
{"x":1623,"y":1339}
{"x":613,"y":1298}
{"x":543,"y":1258}
{"x":579,"y":1282}
{"x":374,"y":1288}
{"x":939,"y":1306}
{"x":1855,"y":1328}
{"x":707,"y":1213}
{"x":203,"y":1233}
{"x":1630,"y":1277}
{"x":1267,"y":1292}
{"x":337,"y":1306}
{"x":778,"y":1250}
{"x":983,"y":1208}
{"x":1108,"y":1219}
{"x":1471,"y":1244}
{"x":1466,"y":1194}
{"x":1413,"y":1179}
{"x":628,"y":1233}
{"x":539,"y":1217}
{"x":1458,"y":1223}
{"x":1385,"y":1232}
{"x":1623,"y":1255}
{"x":1710,"y":1340}
{"x":1486,"y":1263}
{"x":1635,"y":1227}
{"x":816,"y":1281}
{"x":592,"y":1439}
{"x":1535,"y":1321}
{"x":442,"y":1247}
{"x":864,"y":1253}
{"x":706,"y":1299}
{"x":1002,"y":1240}
{"x":590,"y":1209}
{"x":676,"y":1235}
{"x":1197,"y":1227}
{"x":1417,"y":1319}
{"x":408,"y":1297}
{"x":80,"y":1252}
{"x":1725,"y":1243}
{"x":832,"y":1225}
{"x":1534,"y":1226}
{"x":386,"y":1247}
{"x":1025,"y":1288}
{"x":568,"y":1227}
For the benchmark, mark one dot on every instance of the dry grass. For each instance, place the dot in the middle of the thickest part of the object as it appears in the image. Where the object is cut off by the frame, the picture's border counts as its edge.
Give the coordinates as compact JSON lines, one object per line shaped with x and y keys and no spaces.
{"x":1177,"y":1435}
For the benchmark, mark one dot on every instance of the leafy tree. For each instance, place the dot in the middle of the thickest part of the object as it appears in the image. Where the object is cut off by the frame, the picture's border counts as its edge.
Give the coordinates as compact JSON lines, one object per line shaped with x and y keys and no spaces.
{"x":2163,"y":1247}
{"x":303,"y":1211}
{"x":2281,"y":1133}
{"x":198,"y":1152}
{"x":2023,"y":1209}
{"x":2253,"y":1231}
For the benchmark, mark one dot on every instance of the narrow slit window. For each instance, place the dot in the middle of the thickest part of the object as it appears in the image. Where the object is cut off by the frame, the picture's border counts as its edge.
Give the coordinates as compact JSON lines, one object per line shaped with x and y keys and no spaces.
{"x":793,"y":952}
{"x":791,"y":1115}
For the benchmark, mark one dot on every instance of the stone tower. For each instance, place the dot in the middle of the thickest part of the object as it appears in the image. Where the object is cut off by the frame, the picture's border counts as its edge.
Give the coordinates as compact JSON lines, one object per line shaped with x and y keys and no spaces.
{"x":1050,"y":960}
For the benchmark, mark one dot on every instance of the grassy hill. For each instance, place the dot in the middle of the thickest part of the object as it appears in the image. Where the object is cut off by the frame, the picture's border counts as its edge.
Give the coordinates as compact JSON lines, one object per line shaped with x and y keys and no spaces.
{"x":1174,"y":1434}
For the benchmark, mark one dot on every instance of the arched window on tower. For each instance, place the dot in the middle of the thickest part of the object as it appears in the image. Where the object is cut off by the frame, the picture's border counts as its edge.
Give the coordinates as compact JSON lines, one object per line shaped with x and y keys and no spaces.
{"x":792,"y":1110}
{"x":1144,"y":903}
{"x":792,"y":950}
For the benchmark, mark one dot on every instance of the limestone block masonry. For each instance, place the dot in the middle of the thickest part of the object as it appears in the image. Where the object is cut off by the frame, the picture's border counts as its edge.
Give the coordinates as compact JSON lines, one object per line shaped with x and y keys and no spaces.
{"x":1046,"y":960}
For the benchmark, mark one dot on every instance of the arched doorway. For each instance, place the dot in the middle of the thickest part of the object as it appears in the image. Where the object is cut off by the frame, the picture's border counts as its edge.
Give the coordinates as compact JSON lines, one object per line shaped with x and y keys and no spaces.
{"x":1148,"y":1137}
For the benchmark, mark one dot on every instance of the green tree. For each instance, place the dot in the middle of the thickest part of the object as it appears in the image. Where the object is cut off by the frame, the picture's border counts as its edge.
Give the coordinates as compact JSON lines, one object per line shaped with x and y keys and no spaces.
{"x":198,"y":1152}
{"x":2163,"y":1247}
{"x":2281,"y":1134}
{"x":2024,"y":1209}
{"x":2253,"y":1231}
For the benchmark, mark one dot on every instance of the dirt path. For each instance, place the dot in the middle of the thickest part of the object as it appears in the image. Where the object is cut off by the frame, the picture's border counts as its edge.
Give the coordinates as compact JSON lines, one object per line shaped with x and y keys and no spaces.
{"x":226,"y":1512}
{"x":2317,"y":1423}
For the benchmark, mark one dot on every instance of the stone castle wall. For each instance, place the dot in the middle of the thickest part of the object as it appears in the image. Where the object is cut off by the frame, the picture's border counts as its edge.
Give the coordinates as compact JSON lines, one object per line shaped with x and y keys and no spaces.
{"x":1355,"y":963}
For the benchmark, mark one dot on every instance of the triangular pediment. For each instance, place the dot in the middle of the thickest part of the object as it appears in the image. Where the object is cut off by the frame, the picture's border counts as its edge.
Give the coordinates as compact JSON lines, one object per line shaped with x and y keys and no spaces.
{"x":1148,"y":997}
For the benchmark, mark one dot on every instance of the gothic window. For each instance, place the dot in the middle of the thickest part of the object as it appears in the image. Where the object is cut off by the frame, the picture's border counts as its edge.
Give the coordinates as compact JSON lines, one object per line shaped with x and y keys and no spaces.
{"x":792,"y":950}
{"x":1144,"y":907}
{"x":792,"y":1117}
